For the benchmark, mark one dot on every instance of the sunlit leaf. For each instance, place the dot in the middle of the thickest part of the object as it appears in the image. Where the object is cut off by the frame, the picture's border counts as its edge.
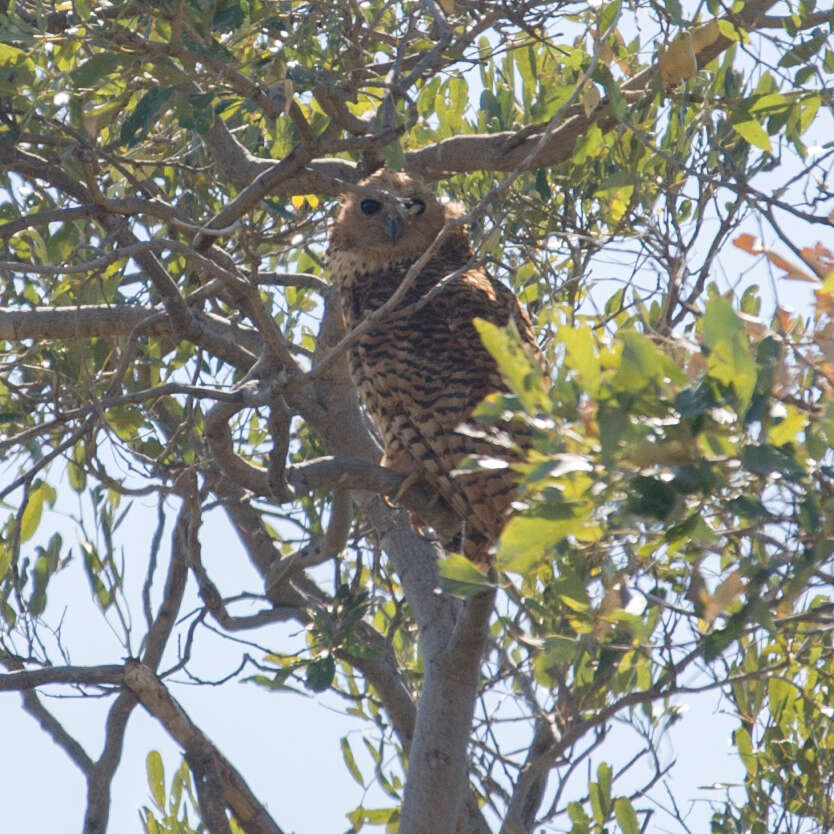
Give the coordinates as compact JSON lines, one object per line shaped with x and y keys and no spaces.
{"x":156,"y":778}
{"x":754,"y":133}
{"x":460,"y":577}
{"x":31,"y":517}
{"x":626,"y":816}
{"x":350,"y":761}
{"x":519,"y":369}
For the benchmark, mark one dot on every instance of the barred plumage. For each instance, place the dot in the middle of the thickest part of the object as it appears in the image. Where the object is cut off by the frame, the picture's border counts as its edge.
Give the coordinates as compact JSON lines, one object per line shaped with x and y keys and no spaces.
{"x":421,"y":375}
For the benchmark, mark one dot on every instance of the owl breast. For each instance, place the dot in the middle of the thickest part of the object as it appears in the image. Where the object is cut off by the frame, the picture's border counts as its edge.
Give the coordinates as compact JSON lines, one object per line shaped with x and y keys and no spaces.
{"x":421,"y":375}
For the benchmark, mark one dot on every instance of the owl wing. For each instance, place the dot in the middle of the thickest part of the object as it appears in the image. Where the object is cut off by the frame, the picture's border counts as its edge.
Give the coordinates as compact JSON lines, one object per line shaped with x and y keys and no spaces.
{"x":466,"y":373}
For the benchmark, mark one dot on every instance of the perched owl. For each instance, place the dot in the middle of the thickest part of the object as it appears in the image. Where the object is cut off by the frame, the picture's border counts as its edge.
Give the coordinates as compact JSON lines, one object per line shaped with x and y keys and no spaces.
{"x":421,"y":375}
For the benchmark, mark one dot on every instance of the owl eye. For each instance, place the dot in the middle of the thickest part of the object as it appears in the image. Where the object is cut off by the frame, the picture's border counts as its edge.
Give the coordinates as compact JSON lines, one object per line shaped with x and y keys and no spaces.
{"x":370,"y":206}
{"x":416,"y":205}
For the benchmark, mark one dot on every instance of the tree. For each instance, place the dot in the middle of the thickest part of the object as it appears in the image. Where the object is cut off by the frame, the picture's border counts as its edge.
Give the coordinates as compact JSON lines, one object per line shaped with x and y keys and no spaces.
{"x":169,"y":331}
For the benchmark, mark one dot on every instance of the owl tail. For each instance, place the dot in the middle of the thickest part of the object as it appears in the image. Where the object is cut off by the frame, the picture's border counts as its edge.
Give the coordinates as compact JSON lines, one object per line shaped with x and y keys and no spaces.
{"x":475,"y":546}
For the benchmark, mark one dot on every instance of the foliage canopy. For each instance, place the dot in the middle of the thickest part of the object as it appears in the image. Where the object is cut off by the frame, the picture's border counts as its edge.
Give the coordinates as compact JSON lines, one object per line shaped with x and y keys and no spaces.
{"x":168,"y":172}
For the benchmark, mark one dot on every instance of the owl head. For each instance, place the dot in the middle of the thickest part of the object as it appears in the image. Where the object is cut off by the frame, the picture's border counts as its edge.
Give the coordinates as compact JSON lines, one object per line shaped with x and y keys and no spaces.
{"x":397,"y":218}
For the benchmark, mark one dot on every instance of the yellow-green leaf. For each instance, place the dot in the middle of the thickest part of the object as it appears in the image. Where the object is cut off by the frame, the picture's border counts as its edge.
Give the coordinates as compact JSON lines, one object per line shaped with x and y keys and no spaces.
{"x":729,"y":359}
{"x":786,"y":432}
{"x":754,"y":133}
{"x":521,"y":373}
{"x":528,"y":540}
{"x":745,"y":750}
{"x":156,"y":777}
{"x":458,"y":576}
{"x":626,"y":816}
{"x":350,"y":761}
{"x":582,"y":356}
{"x":31,"y":517}
{"x":639,"y":362}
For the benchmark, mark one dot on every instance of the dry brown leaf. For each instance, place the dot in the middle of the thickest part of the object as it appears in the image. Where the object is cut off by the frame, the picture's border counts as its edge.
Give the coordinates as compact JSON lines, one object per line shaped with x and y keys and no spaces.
{"x":827,"y":368}
{"x":611,"y":601}
{"x":590,"y":99}
{"x":825,"y":302}
{"x":696,"y":366}
{"x":754,"y":246}
{"x":749,"y":243}
{"x":606,"y":53}
{"x":678,"y":61}
{"x":705,"y":36}
{"x":787,"y":321}
{"x":792,"y":271}
{"x":819,"y":259}
{"x":725,"y":594}
{"x":755,"y":328}
{"x":826,"y":346}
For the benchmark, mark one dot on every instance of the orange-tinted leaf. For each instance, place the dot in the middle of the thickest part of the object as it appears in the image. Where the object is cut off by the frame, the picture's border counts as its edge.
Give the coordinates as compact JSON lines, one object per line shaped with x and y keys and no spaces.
{"x":825,"y":302}
{"x":749,"y":243}
{"x":725,"y":594}
{"x":819,"y":259}
{"x":678,"y":61}
{"x":792,"y":272}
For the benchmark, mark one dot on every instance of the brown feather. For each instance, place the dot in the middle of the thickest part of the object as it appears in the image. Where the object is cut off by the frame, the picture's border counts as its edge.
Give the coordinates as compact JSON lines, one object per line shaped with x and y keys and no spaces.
{"x":421,"y":375}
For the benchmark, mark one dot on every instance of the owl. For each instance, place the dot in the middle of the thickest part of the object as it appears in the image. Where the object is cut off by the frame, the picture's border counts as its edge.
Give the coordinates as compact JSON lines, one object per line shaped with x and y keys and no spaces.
{"x":421,"y":373}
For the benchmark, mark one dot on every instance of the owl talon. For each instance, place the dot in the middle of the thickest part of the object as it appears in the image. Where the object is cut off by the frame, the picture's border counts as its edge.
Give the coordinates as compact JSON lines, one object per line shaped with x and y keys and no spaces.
{"x":404,"y":487}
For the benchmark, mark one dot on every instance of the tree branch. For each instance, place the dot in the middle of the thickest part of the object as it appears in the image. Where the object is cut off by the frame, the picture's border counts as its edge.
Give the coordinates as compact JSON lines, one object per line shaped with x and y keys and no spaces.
{"x":200,"y":752}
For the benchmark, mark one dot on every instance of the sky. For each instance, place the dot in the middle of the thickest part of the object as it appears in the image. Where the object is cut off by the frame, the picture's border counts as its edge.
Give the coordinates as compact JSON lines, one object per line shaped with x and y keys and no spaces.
{"x":285,"y":745}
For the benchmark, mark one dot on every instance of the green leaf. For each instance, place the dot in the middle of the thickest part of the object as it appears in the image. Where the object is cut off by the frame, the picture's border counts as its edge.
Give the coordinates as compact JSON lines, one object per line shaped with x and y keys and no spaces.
{"x":95,"y":70}
{"x":374,"y":816}
{"x":31,"y":517}
{"x":529,"y":539}
{"x":581,"y":354}
{"x":731,"y":30}
{"x":626,"y":816}
{"x":604,"y":780}
{"x":770,"y":103}
{"x":559,"y":650}
{"x":350,"y":762}
{"x":16,"y":68}
{"x":765,"y":460}
{"x":608,"y":16}
{"x":742,"y":740}
{"x":616,"y":99}
{"x":5,"y":559}
{"x":748,"y":506}
{"x":640,"y":363}
{"x":156,"y":778}
{"x":754,"y":133}
{"x":580,"y":819}
{"x":787,"y":430}
{"x":136,"y":124}
{"x":651,"y":497}
{"x":46,"y":564}
{"x":394,"y":156}
{"x":459,"y":577}
{"x":596,"y":803}
{"x":320,"y":674}
{"x":521,"y":373}
{"x":729,"y":361}
{"x":94,"y":567}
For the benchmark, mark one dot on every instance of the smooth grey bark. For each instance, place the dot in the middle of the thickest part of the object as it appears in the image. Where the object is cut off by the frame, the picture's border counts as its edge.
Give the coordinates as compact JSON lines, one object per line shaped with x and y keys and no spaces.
{"x":436,"y":787}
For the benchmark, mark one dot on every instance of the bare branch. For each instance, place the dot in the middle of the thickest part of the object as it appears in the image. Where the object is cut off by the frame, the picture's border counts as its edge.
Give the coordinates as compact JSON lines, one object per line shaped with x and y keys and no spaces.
{"x":199,"y":750}
{"x":79,"y":675}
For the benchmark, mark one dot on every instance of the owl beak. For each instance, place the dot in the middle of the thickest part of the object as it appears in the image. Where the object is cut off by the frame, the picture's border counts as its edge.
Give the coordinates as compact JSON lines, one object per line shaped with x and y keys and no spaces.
{"x":394,"y":227}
